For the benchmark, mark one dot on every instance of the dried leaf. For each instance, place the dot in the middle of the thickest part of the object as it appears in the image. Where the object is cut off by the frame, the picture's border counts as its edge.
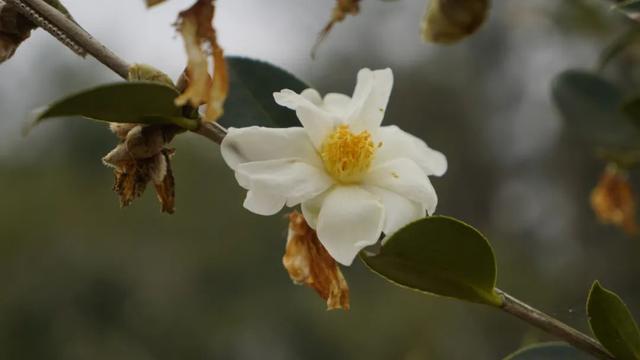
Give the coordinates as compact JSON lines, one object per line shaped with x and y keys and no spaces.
{"x":309,"y":263}
{"x":449,"y":21}
{"x":196,"y":28}
{"x":613,"y":200}
{"x":339,"y":13}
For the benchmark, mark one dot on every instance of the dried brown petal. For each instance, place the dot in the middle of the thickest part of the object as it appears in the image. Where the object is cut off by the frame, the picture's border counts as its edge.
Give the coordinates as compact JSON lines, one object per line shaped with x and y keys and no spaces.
{"x":613,"y":200}
{"x":165,"y":188}
{"x":196,"y":28}
{"x":339,"y":13}
{"x":309,"y":263}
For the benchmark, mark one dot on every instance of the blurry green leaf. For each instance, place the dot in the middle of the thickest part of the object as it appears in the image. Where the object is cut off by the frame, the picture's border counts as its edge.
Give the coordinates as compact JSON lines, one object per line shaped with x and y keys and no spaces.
{"x":124,"y":102}
{"x":548,"y":351}
{"x":442,"y":256}
{"x":447,"y":22}
{"x":250,"y":100}
{"x":613,"y":324}
{"x":591,"y":106}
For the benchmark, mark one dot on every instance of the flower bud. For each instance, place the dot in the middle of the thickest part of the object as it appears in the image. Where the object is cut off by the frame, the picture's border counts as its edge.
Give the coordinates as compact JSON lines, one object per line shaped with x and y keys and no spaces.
{"x":449,"y":21}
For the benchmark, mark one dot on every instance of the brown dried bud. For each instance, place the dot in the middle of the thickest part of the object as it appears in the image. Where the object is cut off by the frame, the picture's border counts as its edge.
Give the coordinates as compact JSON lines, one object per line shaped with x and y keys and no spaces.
{"x":613,"y":200}
{"x":449,"y":21}
{"x":309,"y":263}
{"x":142,"y":158}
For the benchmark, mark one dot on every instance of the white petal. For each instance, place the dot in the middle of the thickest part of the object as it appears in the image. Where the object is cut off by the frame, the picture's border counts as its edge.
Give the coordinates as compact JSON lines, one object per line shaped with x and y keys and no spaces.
{"x":337,"y":104}
{"x":404,"y":177}
{"x":397,"y":143}
{"x":295,"y":180}
{"x":399,"y":211}
{"x":351,"y":218}
{"x":370,"y":99}
{"x":316,"y":122}
{"x":260,"y":143}
{"x":311,"y":208}
{"x":263,"y":203}
{"x":312,"y":96}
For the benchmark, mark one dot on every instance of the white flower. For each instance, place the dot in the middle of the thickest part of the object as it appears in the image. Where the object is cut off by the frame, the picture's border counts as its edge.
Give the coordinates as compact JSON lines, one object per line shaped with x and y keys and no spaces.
{"x":353,"y":178}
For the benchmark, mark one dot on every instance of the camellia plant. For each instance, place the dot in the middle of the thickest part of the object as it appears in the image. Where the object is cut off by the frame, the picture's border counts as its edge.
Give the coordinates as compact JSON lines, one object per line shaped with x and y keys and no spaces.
{"x":362,"y":188}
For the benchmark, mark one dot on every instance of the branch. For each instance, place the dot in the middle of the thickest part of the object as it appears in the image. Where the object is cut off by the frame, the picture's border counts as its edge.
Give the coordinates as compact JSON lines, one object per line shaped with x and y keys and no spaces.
{"x":80,"y":41}
{"x":553,"y":326}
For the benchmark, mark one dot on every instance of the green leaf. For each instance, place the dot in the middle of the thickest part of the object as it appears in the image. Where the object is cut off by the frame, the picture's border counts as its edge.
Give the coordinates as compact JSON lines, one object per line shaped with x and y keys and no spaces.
{"x":548,"y":351}
{"x":250,"y":101}
{"x":613,"y":324}
{"x":442,"y":256}
{"x":591,"y":106}
{"x":123,"y":102}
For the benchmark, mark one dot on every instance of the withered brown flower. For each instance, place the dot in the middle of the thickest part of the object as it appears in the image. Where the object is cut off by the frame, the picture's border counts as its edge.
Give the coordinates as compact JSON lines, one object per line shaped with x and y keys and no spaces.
{"x":141,"y":157}
{"x":309,"y":263}
{"x":196,"y":27}
{"x":613,"y":200}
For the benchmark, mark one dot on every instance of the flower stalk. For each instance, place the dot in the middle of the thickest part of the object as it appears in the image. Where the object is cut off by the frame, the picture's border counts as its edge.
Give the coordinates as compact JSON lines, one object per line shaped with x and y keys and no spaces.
{"x":80,"y":41}
{"x":552,"y":326}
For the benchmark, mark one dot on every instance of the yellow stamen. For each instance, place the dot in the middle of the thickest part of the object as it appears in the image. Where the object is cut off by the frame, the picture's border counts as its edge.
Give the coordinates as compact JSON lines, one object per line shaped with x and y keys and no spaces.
{"x":347,"y":156}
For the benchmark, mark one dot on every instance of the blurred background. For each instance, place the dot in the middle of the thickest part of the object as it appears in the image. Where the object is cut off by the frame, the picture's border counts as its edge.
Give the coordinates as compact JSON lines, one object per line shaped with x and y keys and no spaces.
{"x":83,"y":279}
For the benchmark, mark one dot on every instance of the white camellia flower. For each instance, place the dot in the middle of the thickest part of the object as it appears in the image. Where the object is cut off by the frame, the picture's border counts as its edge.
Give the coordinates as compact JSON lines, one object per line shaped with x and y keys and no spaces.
{"x":353,"y":178}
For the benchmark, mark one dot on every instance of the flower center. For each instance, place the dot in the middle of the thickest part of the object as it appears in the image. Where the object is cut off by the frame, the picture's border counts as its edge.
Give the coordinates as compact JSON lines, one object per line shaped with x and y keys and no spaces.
{"x":347,"y":156}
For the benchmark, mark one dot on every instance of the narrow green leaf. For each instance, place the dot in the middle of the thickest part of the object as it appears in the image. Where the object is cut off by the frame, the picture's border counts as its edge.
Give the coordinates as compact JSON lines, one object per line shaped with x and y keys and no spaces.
{"x":442,"y":256}
{"x":250,"y":101}
{"x":591,"y":106}
{"x":612,"y":323}
{"x":548,"y":351}
{"x":123,"y":102}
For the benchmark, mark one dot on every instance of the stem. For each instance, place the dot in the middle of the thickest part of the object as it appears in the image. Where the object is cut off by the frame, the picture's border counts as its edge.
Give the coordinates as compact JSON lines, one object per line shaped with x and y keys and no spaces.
{"x":74,"y":32}
{"x":553,"y":326}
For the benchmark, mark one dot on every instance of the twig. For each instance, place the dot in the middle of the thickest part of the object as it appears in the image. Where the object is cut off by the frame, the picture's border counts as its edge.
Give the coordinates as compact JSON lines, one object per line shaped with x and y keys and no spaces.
{"x":553,"y":326}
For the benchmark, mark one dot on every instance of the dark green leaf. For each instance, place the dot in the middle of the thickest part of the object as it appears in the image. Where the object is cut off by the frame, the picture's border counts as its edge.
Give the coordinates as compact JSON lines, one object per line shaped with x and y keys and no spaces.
{"x":440,"y":255}
{"x":591,"y":106}
{"x":612,"y":323}
{"x":548,"y":351}
{"x":250,"y":100}
{"x":124,"y":102}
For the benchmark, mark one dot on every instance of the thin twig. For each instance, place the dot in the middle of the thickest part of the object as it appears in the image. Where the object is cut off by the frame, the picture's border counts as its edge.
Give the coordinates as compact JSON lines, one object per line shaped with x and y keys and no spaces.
{"x":78,"y":35}
{"x":553,"y":326}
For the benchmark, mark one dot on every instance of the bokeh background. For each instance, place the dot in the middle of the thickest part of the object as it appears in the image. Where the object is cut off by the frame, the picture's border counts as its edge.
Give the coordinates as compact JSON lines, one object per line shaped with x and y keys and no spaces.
{"x":81,"y":278}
